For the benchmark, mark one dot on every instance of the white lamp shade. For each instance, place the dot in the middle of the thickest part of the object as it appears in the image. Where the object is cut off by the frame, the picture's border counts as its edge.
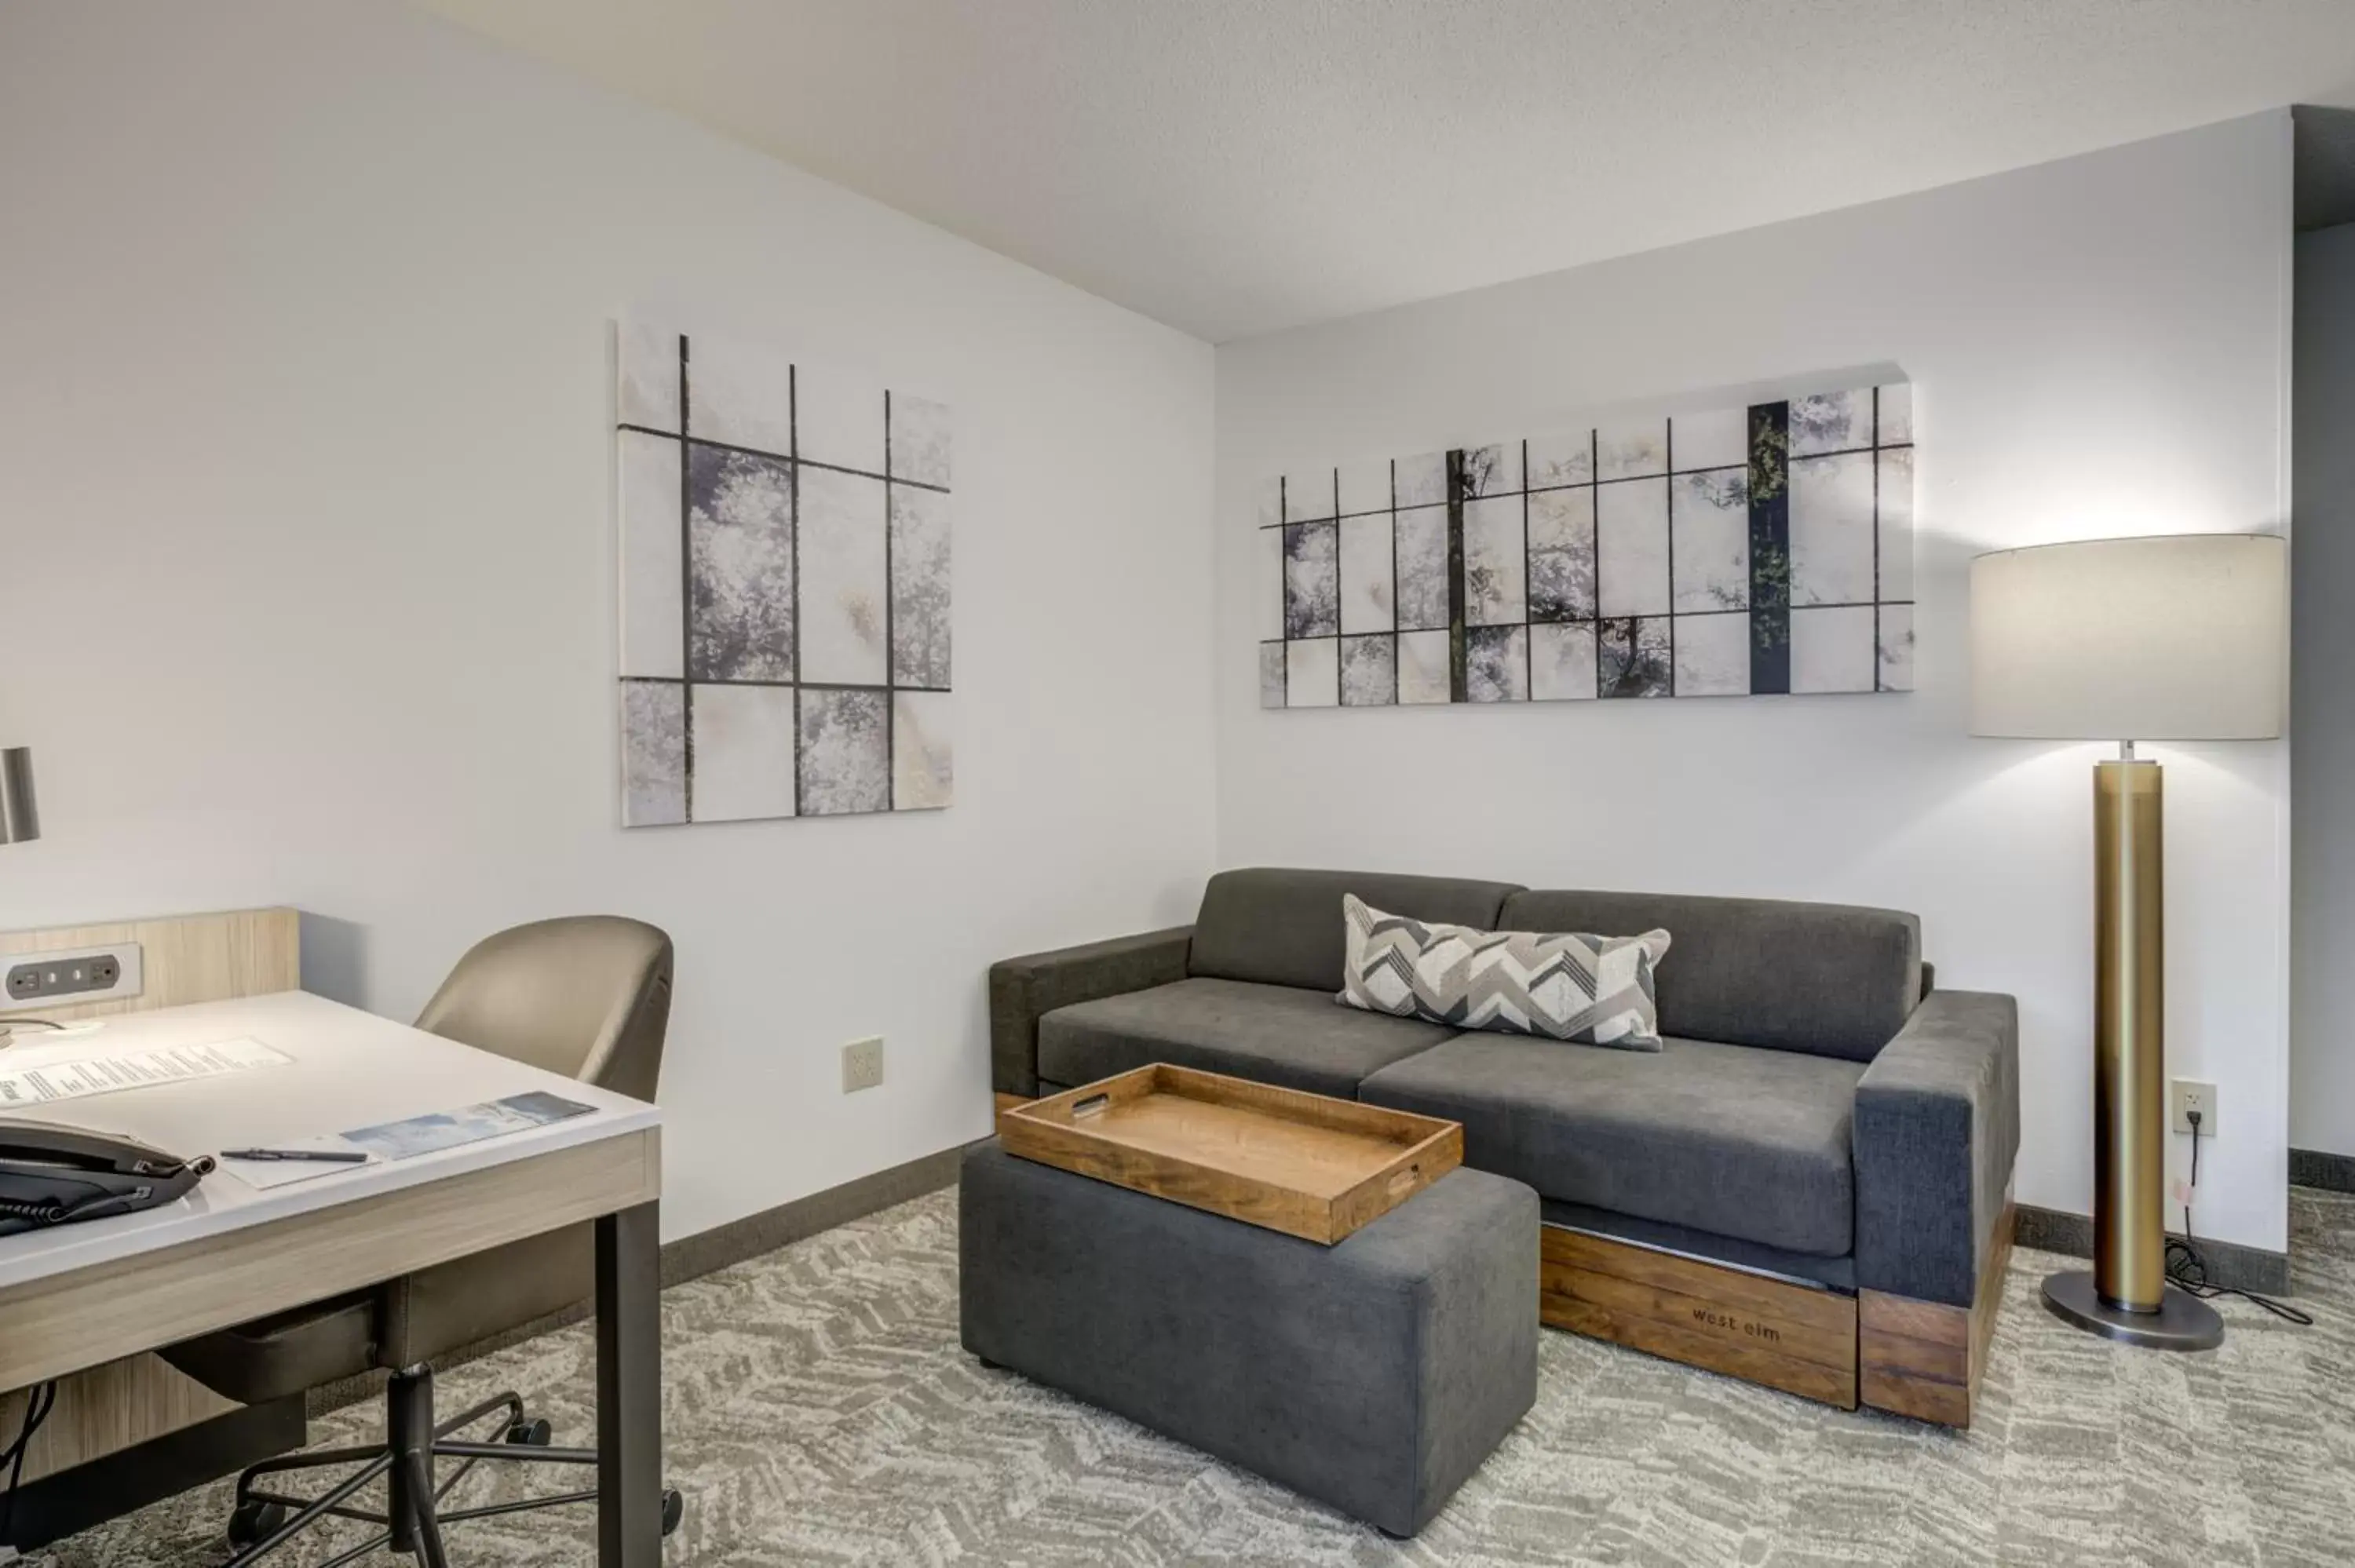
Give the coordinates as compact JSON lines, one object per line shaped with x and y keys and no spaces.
{"x":2183,"y":637}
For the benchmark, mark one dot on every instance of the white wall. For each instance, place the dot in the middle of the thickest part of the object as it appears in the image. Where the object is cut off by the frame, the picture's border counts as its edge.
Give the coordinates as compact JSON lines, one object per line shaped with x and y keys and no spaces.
{"x":2322,"y":921}
{"x":305,"y":568}
{"x":306,"y":544}
{"x":2098,"y":346}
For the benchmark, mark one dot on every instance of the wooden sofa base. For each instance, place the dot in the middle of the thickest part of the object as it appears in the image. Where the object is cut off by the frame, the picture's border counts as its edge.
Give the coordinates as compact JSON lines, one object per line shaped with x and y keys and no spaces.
{"x":1796,"y":1338}
{"x":1924,"y":1358}
{"x":1918,"y":1359}
{"x":1912,"y":1357}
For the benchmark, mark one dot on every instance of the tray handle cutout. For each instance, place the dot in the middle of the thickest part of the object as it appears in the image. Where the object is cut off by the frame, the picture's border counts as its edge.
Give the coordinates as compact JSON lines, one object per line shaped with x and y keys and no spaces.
{"x":1094,"y":1105}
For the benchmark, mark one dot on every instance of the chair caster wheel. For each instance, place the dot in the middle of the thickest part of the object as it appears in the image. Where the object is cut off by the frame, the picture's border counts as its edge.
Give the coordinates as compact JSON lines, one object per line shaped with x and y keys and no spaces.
{"x":673,"y":1509}
{"x":537,"y":1434}
{"x":252,"y":1522}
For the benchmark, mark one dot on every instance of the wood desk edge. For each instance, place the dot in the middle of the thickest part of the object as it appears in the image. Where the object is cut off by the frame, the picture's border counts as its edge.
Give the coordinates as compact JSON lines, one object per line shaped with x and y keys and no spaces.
{"x":64,"y":1322}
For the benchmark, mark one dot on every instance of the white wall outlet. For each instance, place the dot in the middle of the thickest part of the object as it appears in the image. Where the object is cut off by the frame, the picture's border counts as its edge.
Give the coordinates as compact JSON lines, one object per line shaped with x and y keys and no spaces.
{"x":2191,"y":1095}
{"x":862,"y":1064}
{"x":31,"y":981}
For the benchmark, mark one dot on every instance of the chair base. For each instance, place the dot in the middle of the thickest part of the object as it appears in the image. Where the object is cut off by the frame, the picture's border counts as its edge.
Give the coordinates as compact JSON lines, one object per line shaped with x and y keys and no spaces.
{"x":264,"y":1519}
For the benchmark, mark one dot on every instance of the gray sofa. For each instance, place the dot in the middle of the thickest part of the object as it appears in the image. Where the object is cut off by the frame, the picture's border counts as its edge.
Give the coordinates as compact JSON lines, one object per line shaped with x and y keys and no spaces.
{"x":1819,"y":1111}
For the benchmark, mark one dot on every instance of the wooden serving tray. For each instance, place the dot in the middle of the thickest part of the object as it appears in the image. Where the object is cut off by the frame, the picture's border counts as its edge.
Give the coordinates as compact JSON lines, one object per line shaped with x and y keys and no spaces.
{"x":1308,"y":1165}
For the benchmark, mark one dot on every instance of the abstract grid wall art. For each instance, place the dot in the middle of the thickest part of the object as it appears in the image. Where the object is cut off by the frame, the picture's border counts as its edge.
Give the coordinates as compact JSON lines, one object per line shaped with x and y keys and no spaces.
{"x":1750,"y":550}
{"x":784,"y":587}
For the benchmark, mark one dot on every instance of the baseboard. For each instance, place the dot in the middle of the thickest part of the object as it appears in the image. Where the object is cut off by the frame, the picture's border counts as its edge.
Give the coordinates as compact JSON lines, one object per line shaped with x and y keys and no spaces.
{"x":2332,"y":1172}
{"x":706,"y":1252}
{"x":2229,"y":1263}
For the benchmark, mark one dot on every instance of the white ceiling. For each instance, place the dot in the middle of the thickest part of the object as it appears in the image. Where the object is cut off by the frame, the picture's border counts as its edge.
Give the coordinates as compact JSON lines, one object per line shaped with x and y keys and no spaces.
{"x":1235,"y":166}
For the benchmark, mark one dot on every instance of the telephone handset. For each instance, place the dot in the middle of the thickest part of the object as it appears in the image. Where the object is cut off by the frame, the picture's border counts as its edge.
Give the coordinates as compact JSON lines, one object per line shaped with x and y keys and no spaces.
{"x":54,"y":1175}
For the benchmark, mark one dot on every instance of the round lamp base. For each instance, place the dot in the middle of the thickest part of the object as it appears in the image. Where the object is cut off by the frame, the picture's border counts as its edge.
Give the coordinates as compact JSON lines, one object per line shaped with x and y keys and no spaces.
{"x":2182,"y":1323}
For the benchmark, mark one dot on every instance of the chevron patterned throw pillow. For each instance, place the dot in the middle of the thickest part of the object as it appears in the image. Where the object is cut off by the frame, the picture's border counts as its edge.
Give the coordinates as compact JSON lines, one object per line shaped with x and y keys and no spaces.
{"x":1594,"y":990}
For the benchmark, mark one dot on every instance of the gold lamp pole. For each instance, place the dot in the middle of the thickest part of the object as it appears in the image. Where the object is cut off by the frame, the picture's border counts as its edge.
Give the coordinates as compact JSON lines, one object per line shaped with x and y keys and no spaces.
{"x":2177,"y":638}
{"x":2126,"y":1296}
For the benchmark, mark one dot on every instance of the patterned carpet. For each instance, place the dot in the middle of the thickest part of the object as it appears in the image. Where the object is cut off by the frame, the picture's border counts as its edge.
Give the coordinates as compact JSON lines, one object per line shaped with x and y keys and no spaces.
{"x":820,"y":1412}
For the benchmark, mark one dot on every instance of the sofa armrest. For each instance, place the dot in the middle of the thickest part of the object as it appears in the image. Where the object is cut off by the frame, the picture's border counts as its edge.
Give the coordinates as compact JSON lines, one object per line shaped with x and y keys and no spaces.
{"x":1936,"y":1128}
{"x":1023,"y":991}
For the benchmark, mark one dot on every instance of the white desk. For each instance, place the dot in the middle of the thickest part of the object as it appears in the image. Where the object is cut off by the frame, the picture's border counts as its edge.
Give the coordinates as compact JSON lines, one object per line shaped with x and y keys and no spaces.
{"x":82,"y":1295}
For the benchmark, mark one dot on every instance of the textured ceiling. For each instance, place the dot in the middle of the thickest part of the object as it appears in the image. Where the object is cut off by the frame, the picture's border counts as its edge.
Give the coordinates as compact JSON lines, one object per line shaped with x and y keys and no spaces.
{"x":1235,"y":166}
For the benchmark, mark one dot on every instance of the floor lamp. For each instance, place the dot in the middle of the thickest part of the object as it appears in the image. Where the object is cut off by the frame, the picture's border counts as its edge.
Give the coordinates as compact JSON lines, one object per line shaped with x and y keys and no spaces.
{"x":18,"y":819}
{"x":2180,"y":638}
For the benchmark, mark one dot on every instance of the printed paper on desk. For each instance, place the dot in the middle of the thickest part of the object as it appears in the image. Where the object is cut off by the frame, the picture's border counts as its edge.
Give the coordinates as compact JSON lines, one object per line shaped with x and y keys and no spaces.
{"x":86,"y":1075}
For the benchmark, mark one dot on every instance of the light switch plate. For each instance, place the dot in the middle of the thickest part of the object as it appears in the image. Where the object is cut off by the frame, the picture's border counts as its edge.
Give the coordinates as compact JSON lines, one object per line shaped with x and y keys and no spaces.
{"x":862,"y":1064}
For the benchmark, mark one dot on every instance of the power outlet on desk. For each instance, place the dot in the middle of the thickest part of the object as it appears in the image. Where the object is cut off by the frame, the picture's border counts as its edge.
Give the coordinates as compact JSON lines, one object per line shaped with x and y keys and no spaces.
{"x":862,"y":1064}
{"x":2190,"y":1094}
{"x":86,"y":975}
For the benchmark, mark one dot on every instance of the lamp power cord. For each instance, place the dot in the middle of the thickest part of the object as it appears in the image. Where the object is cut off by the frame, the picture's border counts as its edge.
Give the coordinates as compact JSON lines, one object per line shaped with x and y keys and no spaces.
{"x":2187,"y":1270}
{"x":37,"y":1405}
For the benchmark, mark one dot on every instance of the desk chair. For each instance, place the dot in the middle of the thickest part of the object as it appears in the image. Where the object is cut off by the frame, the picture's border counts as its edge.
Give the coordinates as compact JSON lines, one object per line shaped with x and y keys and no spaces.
{"x":588,"y":997}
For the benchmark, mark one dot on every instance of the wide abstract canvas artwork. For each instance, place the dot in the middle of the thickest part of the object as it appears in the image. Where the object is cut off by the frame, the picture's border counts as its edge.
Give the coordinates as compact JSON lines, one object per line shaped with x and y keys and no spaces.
{"x":1750,"y":550}
{"x":784,"y":587}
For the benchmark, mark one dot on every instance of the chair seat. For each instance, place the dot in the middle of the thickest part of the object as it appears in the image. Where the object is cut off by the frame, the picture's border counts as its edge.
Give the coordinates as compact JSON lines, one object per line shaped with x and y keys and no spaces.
{"x":1732,"y":1139}
{"x":450,"y":1305}
{"x":272,"y":1357}
{"x":1275,"y":1033}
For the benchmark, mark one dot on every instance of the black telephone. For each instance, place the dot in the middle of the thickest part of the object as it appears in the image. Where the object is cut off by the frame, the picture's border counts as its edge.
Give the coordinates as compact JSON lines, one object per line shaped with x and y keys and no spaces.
{"x":54,"y":1175}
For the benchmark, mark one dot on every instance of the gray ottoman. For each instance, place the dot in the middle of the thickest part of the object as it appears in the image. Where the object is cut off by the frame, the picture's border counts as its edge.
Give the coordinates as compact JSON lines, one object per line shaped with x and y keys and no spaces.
{"x":1373,"y":1375}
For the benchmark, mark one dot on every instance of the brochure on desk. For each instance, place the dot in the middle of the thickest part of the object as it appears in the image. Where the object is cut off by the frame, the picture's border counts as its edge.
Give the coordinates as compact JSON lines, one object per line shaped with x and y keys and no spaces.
{"x":415,"y":1136}
{"x":449,"y":1129}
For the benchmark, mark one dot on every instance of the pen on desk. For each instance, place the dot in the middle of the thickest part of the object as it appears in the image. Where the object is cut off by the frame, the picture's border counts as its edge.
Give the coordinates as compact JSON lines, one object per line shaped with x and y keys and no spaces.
{"x":326,"y":1156}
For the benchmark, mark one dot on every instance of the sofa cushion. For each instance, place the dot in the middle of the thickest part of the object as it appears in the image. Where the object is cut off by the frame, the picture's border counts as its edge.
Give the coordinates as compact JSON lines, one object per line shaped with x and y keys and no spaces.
{"x":1732,"y":1139}
{"x":1283,"y":927}
{"x":1830,"y":978}
{"x":1564,"y":985}
{"x":1274,"y":1033}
